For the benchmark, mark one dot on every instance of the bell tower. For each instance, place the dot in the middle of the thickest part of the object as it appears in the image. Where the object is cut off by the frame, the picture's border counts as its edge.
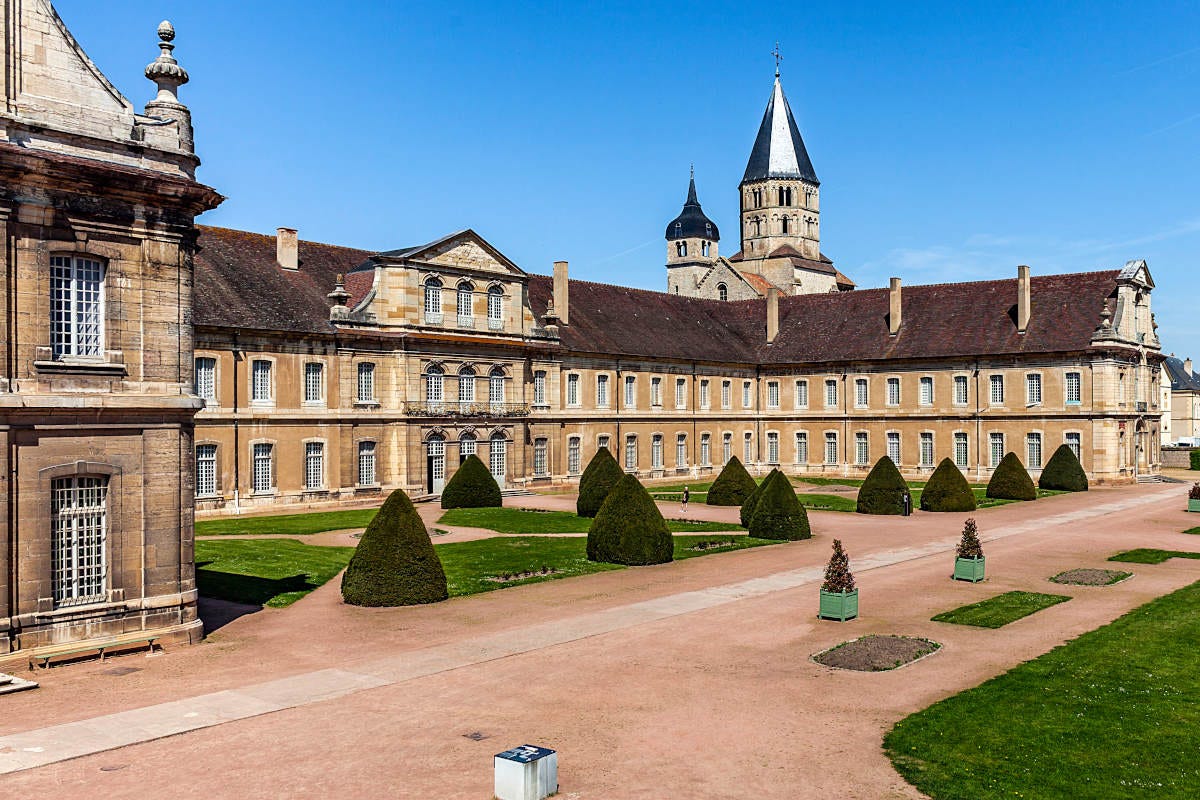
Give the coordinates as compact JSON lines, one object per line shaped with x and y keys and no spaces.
{"x":692,"y":240}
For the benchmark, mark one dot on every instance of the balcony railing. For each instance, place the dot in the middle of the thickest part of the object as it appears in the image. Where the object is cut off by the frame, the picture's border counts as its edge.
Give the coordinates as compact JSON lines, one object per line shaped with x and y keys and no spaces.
{"x":495,"y":324}
{"x":455,"y":409}
{"x":432,"y":318}
{"x":465,"y":321}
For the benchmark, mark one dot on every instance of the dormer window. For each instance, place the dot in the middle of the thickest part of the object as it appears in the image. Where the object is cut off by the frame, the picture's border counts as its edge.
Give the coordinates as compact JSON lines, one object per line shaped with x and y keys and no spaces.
{"x":678,"y":229}
{"x":722,"y":291}
{"x":708,"y":229}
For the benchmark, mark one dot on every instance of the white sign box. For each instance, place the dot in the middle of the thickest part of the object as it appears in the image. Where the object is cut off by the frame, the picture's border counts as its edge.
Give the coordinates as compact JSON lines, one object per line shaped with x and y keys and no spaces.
{"x":526,"y":773}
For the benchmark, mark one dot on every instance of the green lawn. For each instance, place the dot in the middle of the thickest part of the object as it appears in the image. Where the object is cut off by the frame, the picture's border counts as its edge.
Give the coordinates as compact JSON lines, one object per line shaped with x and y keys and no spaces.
{"x":828,"y":502}
{"x":272,"y":572}
{"x":1113,"y":714}
{"x":519,"y":520}
{"x":1146,"y":555}
{"x":998,"y":611}
{"x":1192,"y":530}
{"x":290,"y":524}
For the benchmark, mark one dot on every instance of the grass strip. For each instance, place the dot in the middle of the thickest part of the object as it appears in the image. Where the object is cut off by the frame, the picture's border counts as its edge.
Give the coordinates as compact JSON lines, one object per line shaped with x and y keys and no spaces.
{"x":520,"y":520}
{"x":998,"y":611}
{"x":1148,"y":555}
{"x":289,"y":524}
{"x":270,"y":572}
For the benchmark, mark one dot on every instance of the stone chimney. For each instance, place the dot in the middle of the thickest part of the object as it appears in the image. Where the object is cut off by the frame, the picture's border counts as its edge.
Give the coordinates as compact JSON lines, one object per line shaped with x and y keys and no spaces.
{"x":561,"y":293}
{"x":1187,"y":366}
{"x":1022,"y":298}
{"x":772,"y":314}
{"x":894,"y":310}
{"x":287,"y":248}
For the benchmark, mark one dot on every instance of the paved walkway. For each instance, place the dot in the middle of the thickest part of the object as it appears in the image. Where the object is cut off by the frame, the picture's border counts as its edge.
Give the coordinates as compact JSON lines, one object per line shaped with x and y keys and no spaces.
{"x":57,"y":743}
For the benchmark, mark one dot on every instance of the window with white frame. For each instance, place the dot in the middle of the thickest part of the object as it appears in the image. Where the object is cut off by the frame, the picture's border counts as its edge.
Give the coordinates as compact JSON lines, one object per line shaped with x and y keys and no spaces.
{"x":995,"y":449}
{"x":747,"y":395}
{"x":435,"y":380}
{"x":539,"y":388}
{"x":893,"y":391}
{"x":926,"y":449}
{"x":1033,"y":389}
{"x":860,"y":393}
{"x":1033,"y":450}
{"x":468,"y":446}
{"x":260,"y":381}
{"x":495,"y":308}
{"x":78,"y":530}
{"x":862,"y":448}
{"x":602,"y":441}
{"x":631,"y":457}
{"x":681,"y":458}
{"x":263,"y":469}
{"x":206,"y":470}
{"x":747,"y":448}
{"x":206,"y":379}
{"x":893,"y":446}
{"x":656,"y":391}
{"x":314,"y":465}
{"x":602,"y":391}
{"x":997,"y":390}
{"x":705,"y":449}
{"x":466,"y":305}
{"x":366,"y":464}
{"x":926,"y":390}
{"x":801,"y":447}
{"x":366,"y":382}
{"x":314,"y":382}
{"x":76,"y":307}
{"x":573,"y":389}
{"x":540,"y":462}
{"x":1074,"y":388}
{"x":466,"y":386}
{"x":726,"y":447}
{"x":726,"y":394}
{"x":962,"y":453}
{"x":496,"y":390}
{"x":705,"y":401}
{"x":831,"y":393}
{"x":772,"y":394}
{"x":574,"y":457}
{"x":801,"y":394}
{"x":433,"y":301}
{"x":1074,"y":441}
{"x":960,"y":390}
{"x":681,"y":392}
{"x":630,"y":391}
{"x":831,"y":447}
{"x":772,"y":447}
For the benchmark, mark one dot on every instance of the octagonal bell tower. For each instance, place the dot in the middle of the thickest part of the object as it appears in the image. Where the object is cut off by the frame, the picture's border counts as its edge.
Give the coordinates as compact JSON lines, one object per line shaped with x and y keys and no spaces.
{"x":692,"y":240}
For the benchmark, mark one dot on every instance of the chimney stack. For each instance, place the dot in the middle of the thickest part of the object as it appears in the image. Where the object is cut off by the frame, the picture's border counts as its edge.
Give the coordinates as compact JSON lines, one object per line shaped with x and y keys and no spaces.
{"x":287,"y":248}
{"x":772,"y":314}
{"x":1022,"y":298}
{"x":561,"y":296}
{"x":894,"y":307}
{"x":1187,"y":367}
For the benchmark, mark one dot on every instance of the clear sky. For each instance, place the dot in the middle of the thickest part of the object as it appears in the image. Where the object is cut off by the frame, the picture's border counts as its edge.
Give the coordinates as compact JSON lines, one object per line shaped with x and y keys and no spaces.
{"x":953,"y":140}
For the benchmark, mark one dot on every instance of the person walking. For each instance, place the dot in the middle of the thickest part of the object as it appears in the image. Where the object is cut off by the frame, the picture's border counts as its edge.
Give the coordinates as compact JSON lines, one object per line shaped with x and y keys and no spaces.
{"x":686,"y":496}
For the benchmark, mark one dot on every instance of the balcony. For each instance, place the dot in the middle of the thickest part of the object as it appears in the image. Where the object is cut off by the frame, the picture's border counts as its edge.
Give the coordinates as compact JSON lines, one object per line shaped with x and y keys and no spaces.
{"x":495,"y":324}
{"x":465,"y":321}
{"x":466,"y":410}
{"x":433,"y":319}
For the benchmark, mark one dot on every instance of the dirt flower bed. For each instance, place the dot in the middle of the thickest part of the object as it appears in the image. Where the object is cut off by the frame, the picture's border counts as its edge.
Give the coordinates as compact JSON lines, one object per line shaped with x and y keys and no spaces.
{"x":509,"y":577}
{"x":876,"y":653}
{"x":1091,"y":577}
{"x":713,"y":544}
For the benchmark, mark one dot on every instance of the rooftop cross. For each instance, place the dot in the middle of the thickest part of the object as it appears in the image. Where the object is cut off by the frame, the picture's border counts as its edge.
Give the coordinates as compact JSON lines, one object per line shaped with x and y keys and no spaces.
{"x":778,"y":58}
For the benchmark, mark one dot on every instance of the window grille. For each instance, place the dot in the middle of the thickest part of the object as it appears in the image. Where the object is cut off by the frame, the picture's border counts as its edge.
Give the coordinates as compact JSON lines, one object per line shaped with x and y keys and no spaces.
{"x":726,"y":448}
{"x":960,"y":390}
{"x":772,"y":394}
{"x":961,"y":454}
{"x":573,"y":456}
{"x":630,"y":391}
{"x":366,"y":382}
{"x":1074,"y":388}
{"x":831,"y":393}
{"x":602,"y":391}
{"x":926,"y":449}
{"x":572,"y":390}
{"x":926,"y":391}
{"x":801,"y":448}
{"x":465,"y":306}
{"x":996,"y":448}
{"x":726,"y":394}
{"x":79,"y":522}
{"x":435,"y":385}
{"x":539,"y":457}
{"x":466,"y":386}
{"x":681,"y":393}
{"x":314,"y":378}
{"x":656,"y":391}
{"x":748,"y":448}
{"x":495,"y":308}
{"x":314,"y":465}
{"x":705,"y":449}
{"x":76,"y":307}
{"x":704,"y":399}
{"x":496,"y":388}
{"x":433,"y":301}
{"x":263,"y":478}
{"x":656,"y":451}
{"x":1033,"y":389}
{"x":1033,"y":450}
{"x":801,"y":394}
{"x":467,"y":446}
{"x":260,"y":389}
{"x":681,"y":450}
{"x":831,"y":448}
{"x":997,"y":390}
{"x":893,"y":391}
{"x":860,"y":393}
{"x":893,"y":447}
{"x":630,"y":452}
{"x":539,"y":388}
{"x":206,"y":470}
{"x":498,"y":459}
{"x":862,"y":450}
{"x":366,"y":464}
{"x":1073,"y":441}
{"x":772,"y":447}
{"x":206,"y":378}
{"x":747,"y":399}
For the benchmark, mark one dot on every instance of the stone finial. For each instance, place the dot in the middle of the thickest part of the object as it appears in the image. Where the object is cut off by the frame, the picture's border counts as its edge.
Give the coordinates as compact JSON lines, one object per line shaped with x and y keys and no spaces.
{"x":339,"y":297}
{"x":165,"y":70}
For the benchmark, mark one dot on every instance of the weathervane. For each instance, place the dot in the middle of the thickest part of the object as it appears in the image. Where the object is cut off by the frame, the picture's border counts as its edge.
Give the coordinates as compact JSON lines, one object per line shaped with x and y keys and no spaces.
{"x":778,"y":58}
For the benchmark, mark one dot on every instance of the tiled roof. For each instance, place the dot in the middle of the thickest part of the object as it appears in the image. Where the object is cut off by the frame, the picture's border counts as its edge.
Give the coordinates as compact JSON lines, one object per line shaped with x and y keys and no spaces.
{"x":1181,"y":379}
{"x":759,"y":283}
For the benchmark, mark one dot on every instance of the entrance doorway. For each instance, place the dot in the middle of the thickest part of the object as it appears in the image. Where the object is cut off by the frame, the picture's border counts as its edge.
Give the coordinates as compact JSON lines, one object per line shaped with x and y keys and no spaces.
{"x":498,"y":459}
{"x":435,"y":464}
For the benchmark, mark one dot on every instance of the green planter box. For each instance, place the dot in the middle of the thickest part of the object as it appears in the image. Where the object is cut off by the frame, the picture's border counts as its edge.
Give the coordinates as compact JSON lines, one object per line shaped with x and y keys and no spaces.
{"x":1193,"y":505}
{"x":969,"y":569}
{"x":839,"y":605}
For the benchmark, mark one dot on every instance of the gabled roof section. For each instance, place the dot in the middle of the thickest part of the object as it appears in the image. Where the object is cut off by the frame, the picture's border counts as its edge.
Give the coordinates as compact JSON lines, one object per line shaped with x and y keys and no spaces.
{"x":779,"y":150}
{"x":458,"y":249}
{"x":1136,"y":271}
{"x":1181,"y":379}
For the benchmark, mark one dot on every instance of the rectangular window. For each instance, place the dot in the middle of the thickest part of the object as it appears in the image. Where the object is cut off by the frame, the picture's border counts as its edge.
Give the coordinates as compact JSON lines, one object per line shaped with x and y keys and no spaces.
{"x":997,"y":394}
{"x":893,"y":391}
{"x":656,"y":451}
{"x":76,"y":307}
{"x":314,"y":465}
{"x":704,"y":399}
{"x":893,"y":446}
{"x":681,"y":458}
{"x":260,"y":384}
{"x":314,"y":382}
{"x":961,"y":450}
{"x":366,"y":382}
{"x":206,"y":470}
{"x":772,"y":394}
{"x":1074,"y":388}
{"x":831,"y":448}
{"x":862,"y":449}
{"x":831,"y":393}
{"x":748,"y":448}
{"x":539,"y":388}
{"x":926,"y":387}
{"x":926,"y":449}
{"x":860,"y":393}
{"x":801,"y":394}
{"x":366,"y":464}
{"x":263,"y":472}
{"x":681,"y":392}
{"x":435,"y":385}
{"x":468,"y":446}
{"x":630,"y":391}
{"x":602,"y":391}
{"x":466,"y":307}
{"x":726,"y":394}
{"x":960,"y":390}
{"x":539,"y":457}
{"x":574,"y":459}
{"x":995,"y":449}
{"x":631,"y":452}
{"x":78,"y":529}
{"x":1073,"y":441}
{"x":1033,"y":389}
{"x":495,"y":309}
{"x":602,"y":442}
{"x":705,"y":449}
{"x":747,"y":395}
{"x":801,"y":447}
{"x":656,"y":391}
{"x":772,"y":447}
{"x":573,"y":389}
{"x":1033,"y":450}
{"x":466,"y":386}
{"x":206,"y":379}
{"x":726,"y":448}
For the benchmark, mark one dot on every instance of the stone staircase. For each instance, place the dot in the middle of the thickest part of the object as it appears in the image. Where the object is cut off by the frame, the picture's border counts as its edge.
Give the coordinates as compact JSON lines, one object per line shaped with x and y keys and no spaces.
{"x":1157,"y":479}
{"x":11,"y":683}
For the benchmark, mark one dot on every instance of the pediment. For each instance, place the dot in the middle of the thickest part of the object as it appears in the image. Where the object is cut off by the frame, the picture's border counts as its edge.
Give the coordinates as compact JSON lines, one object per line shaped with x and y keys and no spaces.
{"x":1137,"y":272}
{"x":466,"y":250}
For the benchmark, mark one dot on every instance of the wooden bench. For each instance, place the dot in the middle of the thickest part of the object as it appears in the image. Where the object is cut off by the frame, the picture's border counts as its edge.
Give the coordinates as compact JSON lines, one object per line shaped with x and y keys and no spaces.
{"x":94,"y":647}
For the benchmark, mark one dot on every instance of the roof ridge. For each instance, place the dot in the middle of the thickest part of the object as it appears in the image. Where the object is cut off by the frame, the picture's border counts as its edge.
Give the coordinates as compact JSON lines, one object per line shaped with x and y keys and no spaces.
{"x":639,"y":290}
{"x":269,"y":237}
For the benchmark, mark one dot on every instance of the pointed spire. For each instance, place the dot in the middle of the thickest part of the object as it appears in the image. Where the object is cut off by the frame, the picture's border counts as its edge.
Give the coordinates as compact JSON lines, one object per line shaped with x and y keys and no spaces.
{"x":779,"y":150}
{"x":692,"y":222}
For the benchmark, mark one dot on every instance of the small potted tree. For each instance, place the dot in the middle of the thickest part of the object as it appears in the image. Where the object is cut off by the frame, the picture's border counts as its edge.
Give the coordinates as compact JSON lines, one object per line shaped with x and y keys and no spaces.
{"x":1194,"y":497}
{"x":839,"y":596}
{"x":968,"y":561}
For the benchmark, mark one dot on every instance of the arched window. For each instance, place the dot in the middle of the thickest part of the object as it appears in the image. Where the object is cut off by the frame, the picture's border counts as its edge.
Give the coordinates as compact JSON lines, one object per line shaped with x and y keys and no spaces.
{"x":705,"y":248}
{"x":496,"y":388}
{"x":495,"y":308}
{"x":434,"y":383}
{"x":468,"y":445}
{"x":784,"y":224}
{"x":757,"y":226}
{"x":433,"y":301}
{"x":708,"y":229}
{"x":466,"y":305}
{"x":678,"y":229}
{"x":681,"y":249}
{"x":466,"y":385}
{"x":722,"y":291}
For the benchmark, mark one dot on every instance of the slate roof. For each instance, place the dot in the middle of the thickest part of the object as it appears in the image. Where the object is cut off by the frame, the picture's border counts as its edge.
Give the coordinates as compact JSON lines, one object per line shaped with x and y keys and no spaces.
{"x":692,"y":222}
{"x":1181,"y":379}
{"x":779,"y":150}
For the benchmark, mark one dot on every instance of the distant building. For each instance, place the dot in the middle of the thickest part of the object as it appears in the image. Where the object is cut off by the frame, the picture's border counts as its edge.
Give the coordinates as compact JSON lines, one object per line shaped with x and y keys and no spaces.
{"x":1184,"y":388}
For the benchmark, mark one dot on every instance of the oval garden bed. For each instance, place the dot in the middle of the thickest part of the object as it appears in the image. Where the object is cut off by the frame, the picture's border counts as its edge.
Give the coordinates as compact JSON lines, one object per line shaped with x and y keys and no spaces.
{"x":1091,"y":577}
{"x":876,"y":653}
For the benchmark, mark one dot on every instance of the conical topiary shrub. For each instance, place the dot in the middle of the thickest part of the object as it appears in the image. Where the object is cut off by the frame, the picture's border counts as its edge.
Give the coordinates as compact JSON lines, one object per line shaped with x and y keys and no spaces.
{"x":969,"y":545}
{"x":947,"y":490}
{"x":395,"y":563}
{"x":752,"y":500}
{"x":1010,"y":481}
{"x":839,"y":595}
{"x":732,"y":486}
{"x":778,"y":513}
{"x":883,"y":491}
{"x":472,"y":486}
{"x":601,"y":475}
{"x":629,"y":529}
{"x":1063,"y":472}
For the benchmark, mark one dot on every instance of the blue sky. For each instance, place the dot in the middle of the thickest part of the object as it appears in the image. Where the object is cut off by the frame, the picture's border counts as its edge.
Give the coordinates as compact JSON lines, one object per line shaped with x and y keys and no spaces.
{"x":953,"y":140}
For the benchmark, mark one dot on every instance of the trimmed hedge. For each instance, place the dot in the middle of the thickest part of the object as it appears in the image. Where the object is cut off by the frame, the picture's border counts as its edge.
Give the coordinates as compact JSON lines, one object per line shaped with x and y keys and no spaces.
{"x":883,"y":491}
{"x":1063,"y":472}
{"x":1194,"y":459}
{"x":750,"y":502}
{"x":472,"y":486}
{"x":629,"y":529}
{"x":1010,"y":481}
{"x":395,"y":563}
{"x":732,"y":486}
{"x":601,"y":475}
{"x":947,"y":490}
{"x":778,"y":513}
